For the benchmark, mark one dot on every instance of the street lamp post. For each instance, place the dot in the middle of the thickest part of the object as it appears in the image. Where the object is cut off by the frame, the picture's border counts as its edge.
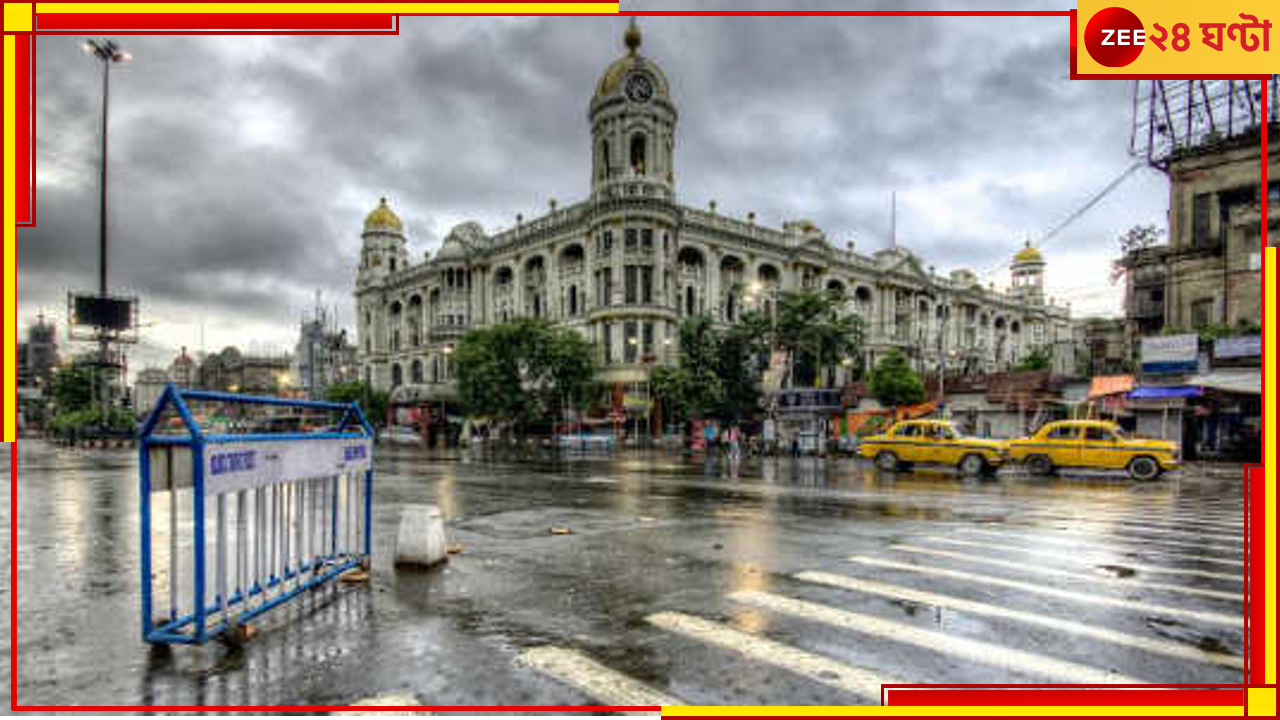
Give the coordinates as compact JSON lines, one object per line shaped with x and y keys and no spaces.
{"x":109,"y":53}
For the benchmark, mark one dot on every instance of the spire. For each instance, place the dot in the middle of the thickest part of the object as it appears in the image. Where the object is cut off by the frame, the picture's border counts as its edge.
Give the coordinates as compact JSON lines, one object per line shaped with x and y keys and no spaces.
{"x":632,"y":38}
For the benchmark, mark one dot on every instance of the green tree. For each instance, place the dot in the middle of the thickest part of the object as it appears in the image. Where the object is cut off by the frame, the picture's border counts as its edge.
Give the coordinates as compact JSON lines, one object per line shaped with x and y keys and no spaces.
{"x":814,"y":333}
{"x":72,"y":388}
{"x":692,"y":388}
{"x":1040,"y":358}
{"x":524,"y":371}
{"x":373,"y":403}
{"x":894,"y":383}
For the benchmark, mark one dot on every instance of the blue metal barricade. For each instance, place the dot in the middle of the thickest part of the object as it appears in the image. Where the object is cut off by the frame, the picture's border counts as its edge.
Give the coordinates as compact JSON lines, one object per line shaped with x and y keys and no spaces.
{"x":250,"y":519}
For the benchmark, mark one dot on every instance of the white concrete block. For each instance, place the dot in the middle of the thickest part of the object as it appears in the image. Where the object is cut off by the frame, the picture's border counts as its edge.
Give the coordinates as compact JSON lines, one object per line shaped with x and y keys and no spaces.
{"x":420,"y":539}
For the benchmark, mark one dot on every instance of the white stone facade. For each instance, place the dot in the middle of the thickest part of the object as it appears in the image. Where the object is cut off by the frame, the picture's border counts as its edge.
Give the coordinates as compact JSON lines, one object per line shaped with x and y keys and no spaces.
{"x":626,"y":265}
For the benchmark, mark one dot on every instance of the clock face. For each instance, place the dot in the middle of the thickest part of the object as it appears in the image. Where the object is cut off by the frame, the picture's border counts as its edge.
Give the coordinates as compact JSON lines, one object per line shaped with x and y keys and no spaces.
{"x":639,"y":88}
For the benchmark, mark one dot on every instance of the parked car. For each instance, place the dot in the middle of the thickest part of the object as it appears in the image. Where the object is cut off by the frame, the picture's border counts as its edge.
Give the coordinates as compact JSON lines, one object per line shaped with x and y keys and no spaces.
{"x":932,"y":442}
{"x":1094,"y":444}
{"x":400,"y":435}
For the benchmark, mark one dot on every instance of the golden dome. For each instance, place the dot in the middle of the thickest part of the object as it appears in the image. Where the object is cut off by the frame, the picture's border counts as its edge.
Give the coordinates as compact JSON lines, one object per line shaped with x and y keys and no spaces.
{"x":612,"y":80}
{"x":383,"y":219}
{"x":1028,"y":254}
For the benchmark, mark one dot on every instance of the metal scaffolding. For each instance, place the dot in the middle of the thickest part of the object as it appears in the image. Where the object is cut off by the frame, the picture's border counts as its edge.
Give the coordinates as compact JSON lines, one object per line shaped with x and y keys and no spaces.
{"x":1173,"y":116}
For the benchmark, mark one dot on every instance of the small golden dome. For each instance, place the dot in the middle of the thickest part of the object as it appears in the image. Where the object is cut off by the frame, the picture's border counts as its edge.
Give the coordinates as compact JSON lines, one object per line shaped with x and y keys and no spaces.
{"x":1028,"y":254}
{"x":383,"y":219}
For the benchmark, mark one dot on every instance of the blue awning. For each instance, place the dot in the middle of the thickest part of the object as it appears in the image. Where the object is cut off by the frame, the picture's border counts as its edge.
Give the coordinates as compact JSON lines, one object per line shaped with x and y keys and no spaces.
{"x":1162,"y":392}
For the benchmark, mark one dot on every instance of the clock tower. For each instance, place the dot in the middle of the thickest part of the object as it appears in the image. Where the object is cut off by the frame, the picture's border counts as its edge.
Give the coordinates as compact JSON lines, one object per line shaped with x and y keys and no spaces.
{"x":633,"y":125}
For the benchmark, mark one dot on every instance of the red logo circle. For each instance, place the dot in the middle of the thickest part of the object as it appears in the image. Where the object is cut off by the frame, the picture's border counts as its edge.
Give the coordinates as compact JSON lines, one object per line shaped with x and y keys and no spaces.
{"x":1109,"y":37}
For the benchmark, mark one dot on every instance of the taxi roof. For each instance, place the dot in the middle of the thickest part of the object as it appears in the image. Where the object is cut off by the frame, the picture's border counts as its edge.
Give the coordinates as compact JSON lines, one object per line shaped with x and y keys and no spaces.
{"x":1083,"y":423}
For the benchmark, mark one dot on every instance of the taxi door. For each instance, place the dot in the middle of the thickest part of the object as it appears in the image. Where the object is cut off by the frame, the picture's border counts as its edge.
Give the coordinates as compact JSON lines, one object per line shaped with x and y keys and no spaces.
{"x":909,"y":448}
{"x":1102,"y":449}
{"x":1062,"y":445}
{"x":943,"y":447}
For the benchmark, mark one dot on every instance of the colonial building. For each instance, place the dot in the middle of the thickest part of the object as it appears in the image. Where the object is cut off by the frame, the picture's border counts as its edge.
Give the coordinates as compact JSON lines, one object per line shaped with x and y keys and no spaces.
{"x":625,"y":265}
{"x":1210,"y":272}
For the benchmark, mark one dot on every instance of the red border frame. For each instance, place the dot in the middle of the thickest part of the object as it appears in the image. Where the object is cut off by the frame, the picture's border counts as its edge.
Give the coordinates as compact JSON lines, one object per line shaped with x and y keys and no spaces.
{"x":1254,"y":614}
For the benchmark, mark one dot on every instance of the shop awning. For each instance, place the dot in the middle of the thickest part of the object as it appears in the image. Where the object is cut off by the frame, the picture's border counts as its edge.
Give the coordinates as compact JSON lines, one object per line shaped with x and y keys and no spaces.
{"x":1104,"y":385}
{"x":1243,"y":381}
{"x":1164,"y":392}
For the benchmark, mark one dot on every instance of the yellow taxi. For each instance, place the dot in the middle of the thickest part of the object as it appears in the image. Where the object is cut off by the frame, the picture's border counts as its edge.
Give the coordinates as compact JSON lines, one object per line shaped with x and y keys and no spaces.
{"x":931,"y":441}
{"x":1093,"y":444}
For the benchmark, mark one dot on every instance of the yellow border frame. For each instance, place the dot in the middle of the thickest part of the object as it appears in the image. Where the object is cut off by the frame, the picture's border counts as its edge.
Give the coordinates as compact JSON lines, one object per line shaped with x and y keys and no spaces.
{"x":17,"y":18}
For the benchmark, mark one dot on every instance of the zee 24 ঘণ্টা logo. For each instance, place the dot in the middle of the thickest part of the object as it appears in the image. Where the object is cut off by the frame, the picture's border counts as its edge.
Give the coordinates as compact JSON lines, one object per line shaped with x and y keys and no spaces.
{"x":1115,"y":36}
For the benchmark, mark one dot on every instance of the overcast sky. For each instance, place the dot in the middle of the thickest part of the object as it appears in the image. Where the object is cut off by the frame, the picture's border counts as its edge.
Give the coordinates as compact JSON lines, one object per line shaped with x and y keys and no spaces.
{"x":242,"y":167}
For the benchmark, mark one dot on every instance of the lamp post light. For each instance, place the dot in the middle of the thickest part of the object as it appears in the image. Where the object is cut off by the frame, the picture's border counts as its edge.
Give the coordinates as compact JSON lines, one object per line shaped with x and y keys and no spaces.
{"x":109,"y":53}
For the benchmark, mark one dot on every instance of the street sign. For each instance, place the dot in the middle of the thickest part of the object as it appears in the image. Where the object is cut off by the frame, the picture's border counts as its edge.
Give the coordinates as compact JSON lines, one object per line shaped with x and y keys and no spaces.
{"x":1170,"y":354}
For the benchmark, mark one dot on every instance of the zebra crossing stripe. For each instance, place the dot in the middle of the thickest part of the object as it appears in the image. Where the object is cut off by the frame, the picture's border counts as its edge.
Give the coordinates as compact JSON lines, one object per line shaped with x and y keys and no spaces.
{"x":1056,"y":572}
{"x":849,"y":678}
{"x":1119,"y":528}
{"x":998,"y":656}
{"x":1158,"y":521}
{"x":973,"y":607}
{"x":592,"y":679}
{"x":1154,"y":569}
{"x":1084,"y":544}
{"x":1040,"y":589}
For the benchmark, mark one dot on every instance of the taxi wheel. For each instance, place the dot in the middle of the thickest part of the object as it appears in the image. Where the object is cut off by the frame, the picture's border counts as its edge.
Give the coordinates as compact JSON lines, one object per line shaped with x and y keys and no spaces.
{"x":972,"y":465}
{"x":1040,"y":465}
{"x":887,"y":461}
{"x":1143,"y":468}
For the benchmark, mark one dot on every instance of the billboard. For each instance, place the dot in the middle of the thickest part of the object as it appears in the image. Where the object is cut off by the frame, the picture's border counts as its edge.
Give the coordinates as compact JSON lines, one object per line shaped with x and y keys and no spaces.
{"x":1171,"y":354}
{"x":92,"y":315}
{"x":1242,"y":346}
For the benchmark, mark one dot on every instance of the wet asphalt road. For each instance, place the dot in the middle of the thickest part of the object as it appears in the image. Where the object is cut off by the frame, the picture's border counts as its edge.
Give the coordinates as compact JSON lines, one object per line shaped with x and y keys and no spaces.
{"x":767,"y":582}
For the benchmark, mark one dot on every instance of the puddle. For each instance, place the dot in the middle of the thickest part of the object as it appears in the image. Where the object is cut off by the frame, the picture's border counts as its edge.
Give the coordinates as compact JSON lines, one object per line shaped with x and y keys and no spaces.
{"x":1119,"y":571}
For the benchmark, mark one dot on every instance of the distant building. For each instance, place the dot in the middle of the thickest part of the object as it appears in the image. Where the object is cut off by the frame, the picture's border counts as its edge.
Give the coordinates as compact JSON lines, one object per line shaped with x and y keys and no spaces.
{"x":183,"y":371}
{"x":38,"y":356}
{"x":232,"y":371}
{"x":1106,"y":347}
{"x":147,"y":388}
{"x":323,"y":356}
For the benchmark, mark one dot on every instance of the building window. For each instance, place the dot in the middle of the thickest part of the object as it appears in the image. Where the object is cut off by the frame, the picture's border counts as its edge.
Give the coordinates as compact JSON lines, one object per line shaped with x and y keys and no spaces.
{"x":648,"y":339}
{"x":637,"y":152}
{"x":631,"y":277}
{"x":690,"y":301}
{"x":608,"y":343}
{"x":646,"y":239}
{"x":416,"y":373}
{"x":608,"y":241}
{"x":573,"y":300}
{"x":1200,"y":219}
{"x":646,"y":284}
{"x":397,"y":376}
{"x":1202,"y":313}
{"x":604,"y":287}
{"x":632,"y":238}
{"x":630,"y":342}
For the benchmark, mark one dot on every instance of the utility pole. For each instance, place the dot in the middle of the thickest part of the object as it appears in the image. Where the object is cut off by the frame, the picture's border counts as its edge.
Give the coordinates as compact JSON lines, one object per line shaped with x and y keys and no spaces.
{"x":942,"y":360}
{"x":109,"y":53}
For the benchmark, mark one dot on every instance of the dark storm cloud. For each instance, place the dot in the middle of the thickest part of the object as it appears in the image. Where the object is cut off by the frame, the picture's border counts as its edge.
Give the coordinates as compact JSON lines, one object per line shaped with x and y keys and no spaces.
{"x":242,"y":166}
